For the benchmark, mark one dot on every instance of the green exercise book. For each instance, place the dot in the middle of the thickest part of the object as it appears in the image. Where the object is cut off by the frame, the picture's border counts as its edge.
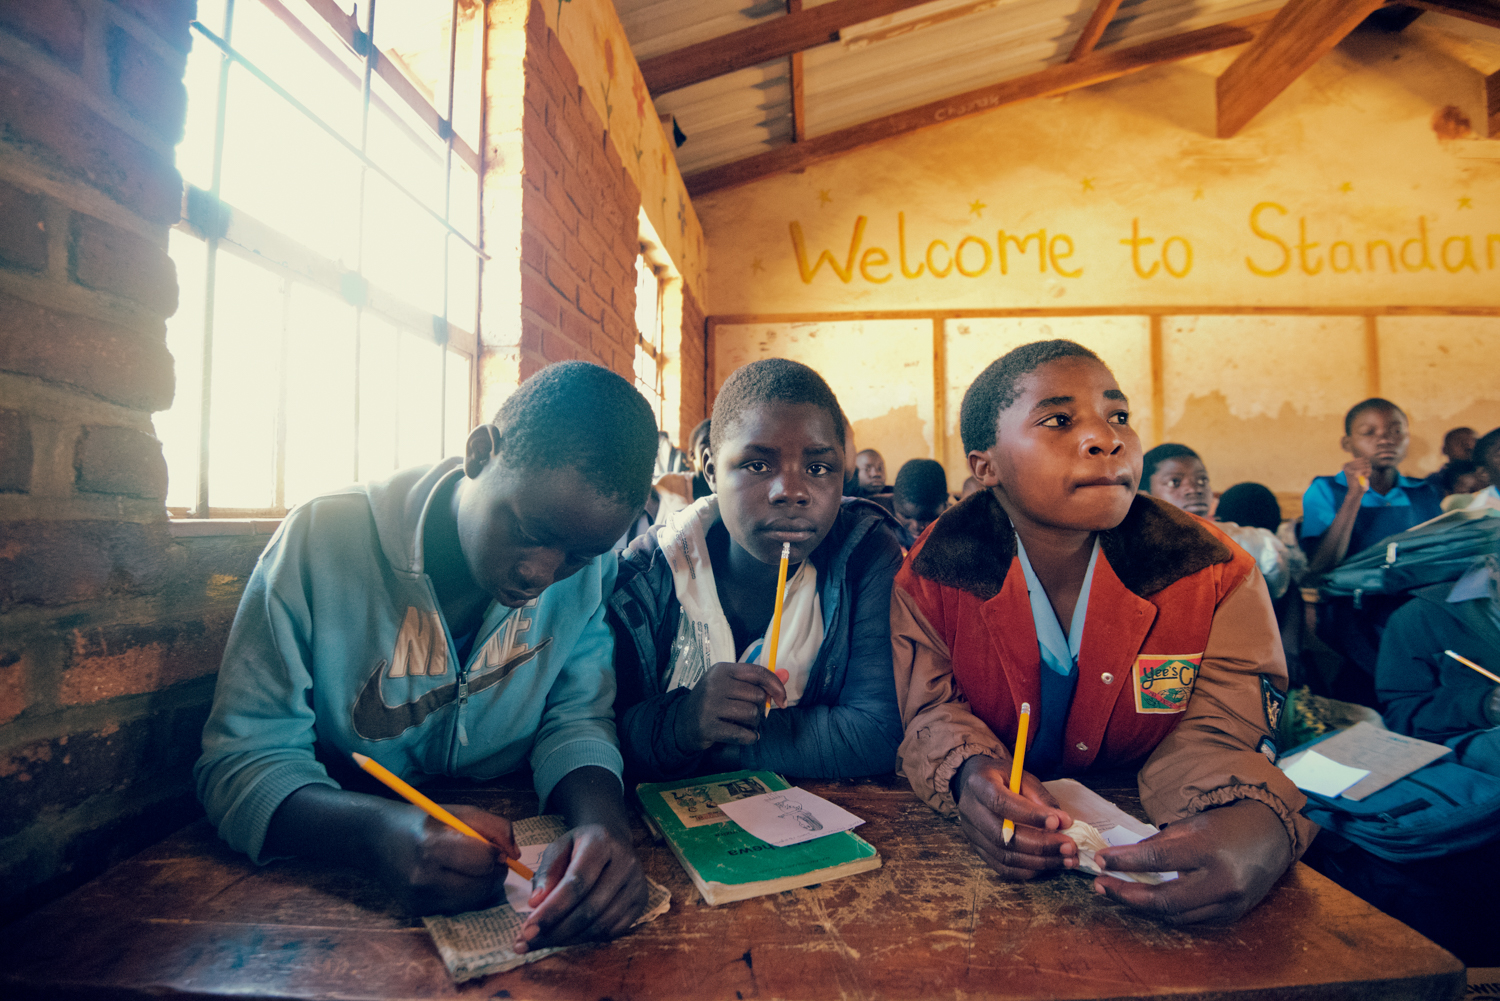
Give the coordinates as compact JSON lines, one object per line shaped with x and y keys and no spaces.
{"x":729,"y":863}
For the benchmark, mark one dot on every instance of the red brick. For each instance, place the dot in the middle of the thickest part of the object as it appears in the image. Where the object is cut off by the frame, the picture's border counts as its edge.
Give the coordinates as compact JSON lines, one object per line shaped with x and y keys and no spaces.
{"x":115,"y":460}
{"x":55,"y":26}
{"x":577,"y":257}
{"x":536,"y":27}
{"x":15,"y":452}
{"x":561,"y":277}
{"x":110,"y":361}
{"x":531,"y":366}
{"x":61,"y":562}
{"x":110,"y":259}
{"x":556,"y":194}
{"x":539,"y":297}
{"x":577,"y":328}
{"x":539,"y":217}
{"x":555,"y":347}
{"x":531,"y":335}
{"x":14,"y":677}
{"x":23,"y":234}
{"x":533,"y":250}
{"x":535,"y":140}
{"x":168,"y":18}
{"x":151,"y":88}
{"x":75,"y":140}
{"x":590,"y":305}
{"x":126,"y":660}
{"x":608,"y":292}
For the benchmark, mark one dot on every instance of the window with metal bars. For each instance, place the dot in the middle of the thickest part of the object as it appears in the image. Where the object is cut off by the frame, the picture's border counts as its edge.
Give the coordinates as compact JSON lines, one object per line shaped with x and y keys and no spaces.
{"x":328,"y":259}
{"x":649,"y":356}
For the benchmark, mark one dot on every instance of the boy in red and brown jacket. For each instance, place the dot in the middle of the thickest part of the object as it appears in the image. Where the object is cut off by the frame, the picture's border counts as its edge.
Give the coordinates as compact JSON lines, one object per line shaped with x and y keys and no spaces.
{"x":1140,"y":632}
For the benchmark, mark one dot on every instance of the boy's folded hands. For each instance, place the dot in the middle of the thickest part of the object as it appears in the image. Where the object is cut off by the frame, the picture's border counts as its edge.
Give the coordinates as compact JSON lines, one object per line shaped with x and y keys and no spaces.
{"x":1227,"y":859}
{"x":727,"y":706}
{"x":985,"y":802}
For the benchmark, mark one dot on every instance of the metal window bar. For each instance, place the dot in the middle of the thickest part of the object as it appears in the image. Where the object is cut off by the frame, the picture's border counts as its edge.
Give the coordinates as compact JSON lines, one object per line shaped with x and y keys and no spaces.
{"x":442,"y":126}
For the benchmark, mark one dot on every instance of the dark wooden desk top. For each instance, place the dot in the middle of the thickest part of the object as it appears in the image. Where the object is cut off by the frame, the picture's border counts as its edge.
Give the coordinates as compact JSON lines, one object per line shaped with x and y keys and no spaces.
{"x":191,"y":919}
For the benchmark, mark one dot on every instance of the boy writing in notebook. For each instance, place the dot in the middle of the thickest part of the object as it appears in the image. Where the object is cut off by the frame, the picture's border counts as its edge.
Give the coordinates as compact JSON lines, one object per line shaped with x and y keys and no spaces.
{"x":1136,"y":633}
{"x":447,"y":621}
{"x":697,"y":594}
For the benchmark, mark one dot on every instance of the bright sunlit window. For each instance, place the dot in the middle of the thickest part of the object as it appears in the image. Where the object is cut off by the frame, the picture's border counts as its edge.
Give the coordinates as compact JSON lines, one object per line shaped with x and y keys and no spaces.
{"x":648,"y":336}
{"x":328,"y":260}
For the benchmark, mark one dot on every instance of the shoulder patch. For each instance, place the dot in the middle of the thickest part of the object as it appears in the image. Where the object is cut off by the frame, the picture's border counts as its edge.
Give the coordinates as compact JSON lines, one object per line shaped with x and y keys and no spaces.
{"x":1163,"y":683}
{"x":1267,"y":746}
{"x":1273,"y":701}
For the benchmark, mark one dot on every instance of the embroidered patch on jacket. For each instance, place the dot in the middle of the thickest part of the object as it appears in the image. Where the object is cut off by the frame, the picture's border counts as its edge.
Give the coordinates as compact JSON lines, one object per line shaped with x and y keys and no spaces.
{"x":1267,"y":746}
{"x":1164,"y":682}
{"x":1273,"y":701}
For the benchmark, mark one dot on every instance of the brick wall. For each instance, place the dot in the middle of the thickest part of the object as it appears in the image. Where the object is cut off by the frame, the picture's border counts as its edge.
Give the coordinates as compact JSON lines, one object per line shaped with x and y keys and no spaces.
{"x":696,"y":403}
{"x":579,"y":229}
{"x":110,"y":627}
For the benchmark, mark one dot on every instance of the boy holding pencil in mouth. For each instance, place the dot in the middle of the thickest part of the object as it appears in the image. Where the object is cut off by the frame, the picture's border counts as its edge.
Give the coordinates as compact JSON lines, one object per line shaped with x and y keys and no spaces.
{"x":447,"y":621}
{"x":697,"y":601}
{"x":1134,"y":633}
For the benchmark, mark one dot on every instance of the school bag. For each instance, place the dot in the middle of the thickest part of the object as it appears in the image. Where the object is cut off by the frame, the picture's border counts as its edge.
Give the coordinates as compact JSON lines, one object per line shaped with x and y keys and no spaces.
{"x":1432,"y":553}
{"x":1440,"y":809}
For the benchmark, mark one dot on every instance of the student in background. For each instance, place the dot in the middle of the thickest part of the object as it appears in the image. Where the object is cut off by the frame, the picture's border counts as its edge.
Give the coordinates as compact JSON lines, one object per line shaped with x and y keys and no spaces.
{"x":1175,"y":474}
{"x":1458,"y":449}
{"x":696,"y":596}
{"x":871,"y":466}
{"x":1368,"y":499}
{"x":447,"y":621}
{"x":920,"y":495}
{"x":1424,"y":692}
{"x":1131,"y":628}
{"x":1467,"y":479}
{"x":1350,"y":511}
{"x":677,"y":490}
{"x":1487,"y":454}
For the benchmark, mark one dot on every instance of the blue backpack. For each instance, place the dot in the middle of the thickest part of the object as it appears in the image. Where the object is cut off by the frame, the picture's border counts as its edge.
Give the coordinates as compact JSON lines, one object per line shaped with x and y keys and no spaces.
{"x":1439,"y":809}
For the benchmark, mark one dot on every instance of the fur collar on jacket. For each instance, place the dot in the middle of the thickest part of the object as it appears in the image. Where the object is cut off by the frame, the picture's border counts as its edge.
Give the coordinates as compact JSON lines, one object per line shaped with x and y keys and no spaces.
{"x":972,"y":545}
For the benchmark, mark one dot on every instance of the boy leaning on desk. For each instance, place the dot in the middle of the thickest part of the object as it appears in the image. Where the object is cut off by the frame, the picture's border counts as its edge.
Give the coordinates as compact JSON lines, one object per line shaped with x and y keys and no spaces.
{"x":447,"y":621}
{"x":1136,"y":631}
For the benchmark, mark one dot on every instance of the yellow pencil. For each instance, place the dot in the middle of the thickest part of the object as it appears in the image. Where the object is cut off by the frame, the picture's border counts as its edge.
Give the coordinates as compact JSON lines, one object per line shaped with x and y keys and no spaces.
{"x":406,"y":792}
{"x":1017,"y":763}
{"x":786,"y":554}
{"x":1466,"y":662}
{"x":1364,"y":481}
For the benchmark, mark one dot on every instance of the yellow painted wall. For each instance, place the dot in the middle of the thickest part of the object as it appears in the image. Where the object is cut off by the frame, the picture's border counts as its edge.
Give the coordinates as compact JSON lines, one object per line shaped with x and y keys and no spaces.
{"x":1263,"y":341}
{"x":594,"y":39}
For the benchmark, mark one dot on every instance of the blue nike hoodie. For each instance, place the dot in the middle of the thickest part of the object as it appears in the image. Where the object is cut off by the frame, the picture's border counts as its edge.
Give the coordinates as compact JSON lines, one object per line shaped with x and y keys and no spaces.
{"x":339,"y":643}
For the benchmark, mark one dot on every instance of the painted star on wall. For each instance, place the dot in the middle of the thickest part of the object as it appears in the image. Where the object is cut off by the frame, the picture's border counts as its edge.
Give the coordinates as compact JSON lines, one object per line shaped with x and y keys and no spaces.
{"x":1088,"y":184}
{"x":1466,"y":202}
{"x":824,"y":198}
{"x":1346,"y":187}
{"x":977,"y":207}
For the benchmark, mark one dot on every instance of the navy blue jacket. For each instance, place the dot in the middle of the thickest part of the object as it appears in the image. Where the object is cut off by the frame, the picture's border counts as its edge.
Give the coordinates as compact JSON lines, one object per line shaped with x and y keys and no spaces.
{"x":1424,"y":693}
{"x":847,"y":722}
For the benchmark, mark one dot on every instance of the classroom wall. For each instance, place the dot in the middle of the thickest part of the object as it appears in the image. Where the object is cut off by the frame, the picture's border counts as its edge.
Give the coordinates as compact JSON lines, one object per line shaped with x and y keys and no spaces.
{"x":1345,"y":243}
{"x":565,"y":217}
{"x":110,"y":625}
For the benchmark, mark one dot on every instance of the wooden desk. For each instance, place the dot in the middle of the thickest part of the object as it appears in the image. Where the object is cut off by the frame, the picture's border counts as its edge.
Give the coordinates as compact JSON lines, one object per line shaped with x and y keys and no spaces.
{"x":191,"y":919}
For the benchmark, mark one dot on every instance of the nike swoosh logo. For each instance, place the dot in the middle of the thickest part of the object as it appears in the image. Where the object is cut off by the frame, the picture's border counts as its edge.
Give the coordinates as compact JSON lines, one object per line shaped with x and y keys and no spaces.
{"x":374,"y":720}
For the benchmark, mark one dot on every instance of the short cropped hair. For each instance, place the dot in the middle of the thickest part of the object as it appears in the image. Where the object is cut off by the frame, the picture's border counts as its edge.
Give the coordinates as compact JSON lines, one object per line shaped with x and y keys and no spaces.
{"x":1160,"y":454}
{"x":1454,"y":433}
{"x":580,"y":416}
{"x":1484,"y":446}
{"x":1250,"y":504}
{"x":1373,"y":403}
{"x":869,"y":451}
{"x":922,"y":484}
{"x":769,"y":380}
{"x":995,"y":388}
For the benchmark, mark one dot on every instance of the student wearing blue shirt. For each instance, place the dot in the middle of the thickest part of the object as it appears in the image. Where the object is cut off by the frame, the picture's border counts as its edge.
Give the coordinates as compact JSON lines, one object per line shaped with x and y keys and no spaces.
{"x":1352,"y":510}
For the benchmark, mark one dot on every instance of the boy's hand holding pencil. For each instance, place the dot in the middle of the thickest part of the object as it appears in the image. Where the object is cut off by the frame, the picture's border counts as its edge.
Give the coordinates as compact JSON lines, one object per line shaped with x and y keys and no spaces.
{"x":727,"y":706}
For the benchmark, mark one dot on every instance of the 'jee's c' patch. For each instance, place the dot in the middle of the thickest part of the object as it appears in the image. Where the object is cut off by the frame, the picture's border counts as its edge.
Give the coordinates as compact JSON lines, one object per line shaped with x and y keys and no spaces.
{"x":1164,"y":682}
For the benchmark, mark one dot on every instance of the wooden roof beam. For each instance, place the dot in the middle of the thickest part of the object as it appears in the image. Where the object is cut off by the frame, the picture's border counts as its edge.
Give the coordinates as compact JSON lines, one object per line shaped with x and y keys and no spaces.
{"x":1103,"y":13}
{"x":1478,"y":11}
{"x":1299,"y":35}
{"x":759,"y":43}
{"x":1096,"y":67}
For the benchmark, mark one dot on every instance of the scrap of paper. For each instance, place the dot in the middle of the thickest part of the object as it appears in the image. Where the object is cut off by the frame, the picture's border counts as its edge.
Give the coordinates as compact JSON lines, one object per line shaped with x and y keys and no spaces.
{"x":479,"y":942}
{"x":789,"y":817}
{"x":1387,"y":756}
{"x":1112,"y":824}
{"x":1314,"y":773}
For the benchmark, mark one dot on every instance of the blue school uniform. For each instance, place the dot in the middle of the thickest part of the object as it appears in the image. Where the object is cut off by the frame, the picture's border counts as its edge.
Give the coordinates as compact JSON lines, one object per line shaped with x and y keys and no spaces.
{"x":1410,"y":502}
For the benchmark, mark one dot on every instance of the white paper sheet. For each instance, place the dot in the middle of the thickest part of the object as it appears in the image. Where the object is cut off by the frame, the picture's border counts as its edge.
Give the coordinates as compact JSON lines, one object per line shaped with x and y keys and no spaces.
{"x":789,"y":817}
{"x":1315,"y":773}
{"x":1114,"y":825}
{"x":518,"y":890}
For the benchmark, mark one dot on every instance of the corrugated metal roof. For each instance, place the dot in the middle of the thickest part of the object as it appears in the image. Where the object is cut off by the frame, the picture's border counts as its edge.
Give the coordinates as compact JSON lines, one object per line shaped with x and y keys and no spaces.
{"x":886,"y":65}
